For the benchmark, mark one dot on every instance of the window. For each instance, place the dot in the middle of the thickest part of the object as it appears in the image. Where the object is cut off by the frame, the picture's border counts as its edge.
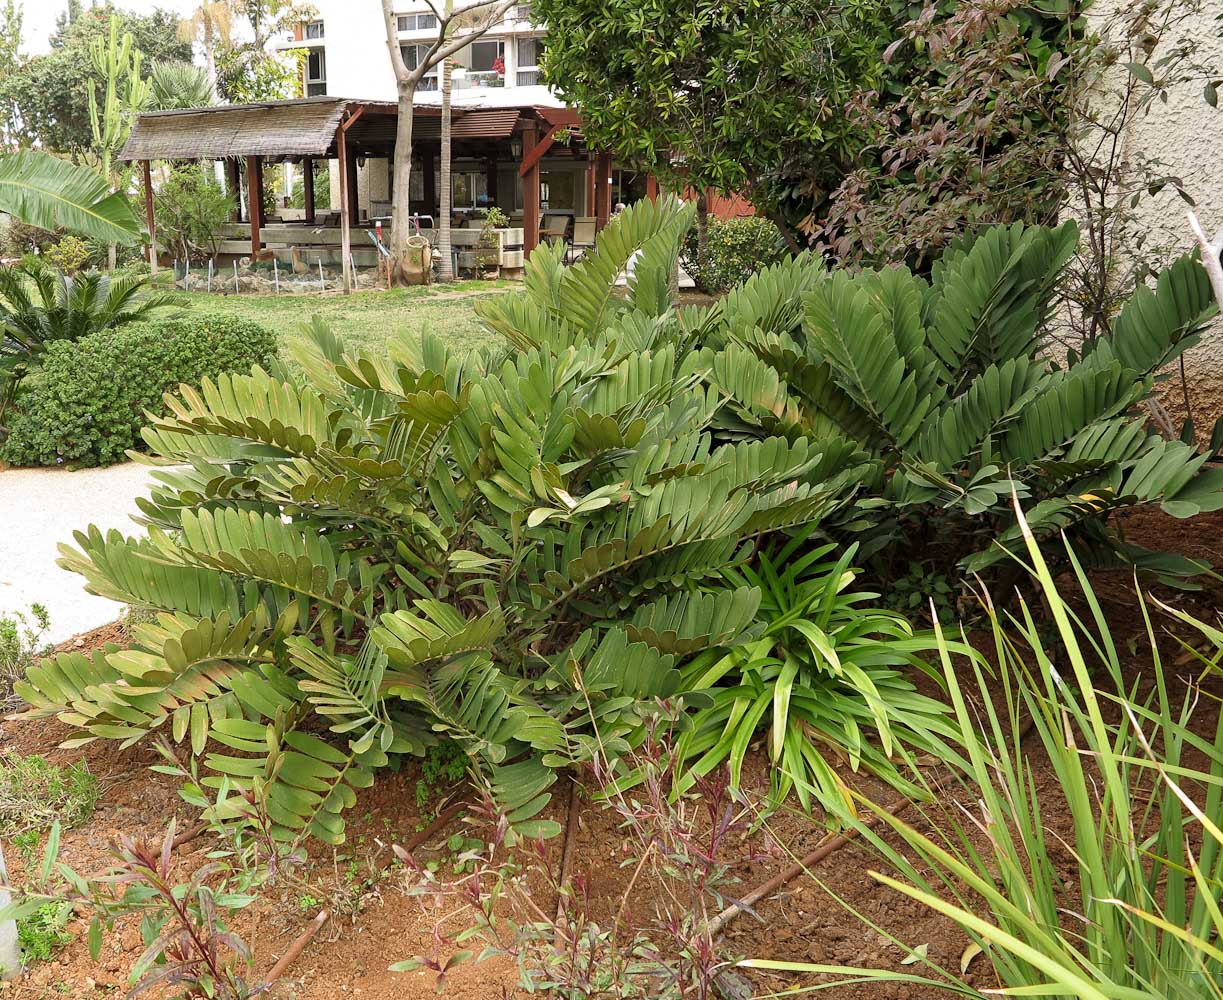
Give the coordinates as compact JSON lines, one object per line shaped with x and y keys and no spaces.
{"x":316,"y":73}
{"x":416,"y":22}
{"x":485,"y":56}
{"x":314,"y":29}
{"x":530,"y":51}
{"x":468,"y":189}
{"x":522,"y":12}
{"x":412,"y":54}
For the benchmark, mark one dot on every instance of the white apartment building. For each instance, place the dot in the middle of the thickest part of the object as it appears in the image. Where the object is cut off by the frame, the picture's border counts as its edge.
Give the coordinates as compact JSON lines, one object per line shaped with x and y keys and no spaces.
{"x":347,"y":56}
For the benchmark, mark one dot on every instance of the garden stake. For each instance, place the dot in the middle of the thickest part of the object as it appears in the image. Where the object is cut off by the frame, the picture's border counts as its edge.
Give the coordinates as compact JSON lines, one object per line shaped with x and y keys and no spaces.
{"x":825,"y":847}
{"x":276,"y":273}
{"x":322,"y":285}
{"x":211,"y":261}
{"x":443,"y":818}
{"x":235,"y":277}
{"x":296,"y":948}
{"x":571,"y":823}
{"x":187,"y":274}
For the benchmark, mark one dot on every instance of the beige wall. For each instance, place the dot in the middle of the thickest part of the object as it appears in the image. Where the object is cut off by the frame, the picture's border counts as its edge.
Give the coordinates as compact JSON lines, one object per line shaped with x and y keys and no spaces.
{"x":1186,"y":134}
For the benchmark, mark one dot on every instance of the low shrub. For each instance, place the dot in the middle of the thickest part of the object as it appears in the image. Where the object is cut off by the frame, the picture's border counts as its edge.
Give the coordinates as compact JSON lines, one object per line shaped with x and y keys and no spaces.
{"x":191,"y":209}
{"x":735,"y":249}
{"x":35,"y":793}
{"x":70,"y":254}
{"x":22,"y":644}
{"x":89,"y":405}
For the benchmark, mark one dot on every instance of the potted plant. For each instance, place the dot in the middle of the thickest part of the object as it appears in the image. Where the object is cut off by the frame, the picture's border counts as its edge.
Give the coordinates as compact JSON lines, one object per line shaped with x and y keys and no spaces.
{"x":488,"y":255}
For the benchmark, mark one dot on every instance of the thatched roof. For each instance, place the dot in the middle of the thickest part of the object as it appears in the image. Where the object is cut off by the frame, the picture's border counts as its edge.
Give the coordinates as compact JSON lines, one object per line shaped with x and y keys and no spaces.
{"x":307,"y":127}
{"x":304,"y":127}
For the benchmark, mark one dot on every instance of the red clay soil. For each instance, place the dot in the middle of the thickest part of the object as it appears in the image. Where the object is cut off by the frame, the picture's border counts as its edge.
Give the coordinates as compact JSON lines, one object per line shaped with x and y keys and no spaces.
{"x":349,"y":957}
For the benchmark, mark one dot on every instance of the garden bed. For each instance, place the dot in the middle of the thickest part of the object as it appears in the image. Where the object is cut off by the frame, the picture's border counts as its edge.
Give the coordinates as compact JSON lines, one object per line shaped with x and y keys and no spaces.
{"x":375,"y":922}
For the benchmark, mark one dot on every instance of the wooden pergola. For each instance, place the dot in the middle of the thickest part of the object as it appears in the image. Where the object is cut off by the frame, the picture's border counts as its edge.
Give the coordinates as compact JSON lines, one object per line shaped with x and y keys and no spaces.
{"x":247,"y":136}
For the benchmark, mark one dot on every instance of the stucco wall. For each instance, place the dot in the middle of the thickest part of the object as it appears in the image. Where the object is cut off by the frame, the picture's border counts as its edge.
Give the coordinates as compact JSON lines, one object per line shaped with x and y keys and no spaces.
{"x":1186,"y":135}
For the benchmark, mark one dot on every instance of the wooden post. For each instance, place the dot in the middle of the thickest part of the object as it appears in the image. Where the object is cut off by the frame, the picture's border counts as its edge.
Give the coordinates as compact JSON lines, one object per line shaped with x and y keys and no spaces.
{"x":651,"y":187}
{"x":254,"y":201}
{"x":233,"y":181}
{"x":602,"y":189}
{"x":530,"y":194}
{"x":354,"y":201}
{"x":341,"y":138}
{"x":308,"y":190}
{"x":148,"y":214}
{"x":426,"y":165}
{"x":590,"y":183}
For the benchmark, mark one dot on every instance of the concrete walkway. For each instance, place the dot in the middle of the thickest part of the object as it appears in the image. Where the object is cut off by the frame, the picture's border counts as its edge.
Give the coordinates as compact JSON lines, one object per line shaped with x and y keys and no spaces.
{"x":39,"y":508}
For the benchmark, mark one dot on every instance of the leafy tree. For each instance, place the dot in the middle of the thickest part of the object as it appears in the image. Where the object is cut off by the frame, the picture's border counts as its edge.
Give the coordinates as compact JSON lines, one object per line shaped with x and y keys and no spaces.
{"x":11,"y":60}
{"x":191,"y":209}
{"x":734,"y":95}
{"x":52,"y":90}
{"x":455,"y":31}
{"x":246,"y":70}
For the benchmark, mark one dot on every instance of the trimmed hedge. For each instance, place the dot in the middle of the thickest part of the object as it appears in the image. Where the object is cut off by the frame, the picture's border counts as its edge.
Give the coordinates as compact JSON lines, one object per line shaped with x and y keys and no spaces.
{"x":735,"y":249}
{"x":88,"y":405}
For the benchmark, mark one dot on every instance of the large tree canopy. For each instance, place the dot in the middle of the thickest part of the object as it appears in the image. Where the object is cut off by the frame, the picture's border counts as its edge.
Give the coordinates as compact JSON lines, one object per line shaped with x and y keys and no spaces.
{"x":52,"y":90}
{"x":736,"y":95}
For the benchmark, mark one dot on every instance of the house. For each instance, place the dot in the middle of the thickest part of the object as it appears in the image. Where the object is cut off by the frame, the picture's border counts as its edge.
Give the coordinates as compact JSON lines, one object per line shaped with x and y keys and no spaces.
{"x":346,"y":56}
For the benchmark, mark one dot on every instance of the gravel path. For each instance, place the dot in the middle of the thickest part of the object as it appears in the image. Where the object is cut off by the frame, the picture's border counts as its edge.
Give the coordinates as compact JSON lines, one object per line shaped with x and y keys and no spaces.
{"x":39,"y":508}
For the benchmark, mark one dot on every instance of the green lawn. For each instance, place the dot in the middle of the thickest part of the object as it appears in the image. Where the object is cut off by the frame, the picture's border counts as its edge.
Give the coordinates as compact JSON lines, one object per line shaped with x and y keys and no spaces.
{"x":366,"y":320}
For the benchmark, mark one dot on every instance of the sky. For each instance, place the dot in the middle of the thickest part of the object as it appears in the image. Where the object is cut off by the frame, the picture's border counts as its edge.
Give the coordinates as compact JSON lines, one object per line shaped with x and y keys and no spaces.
{"x":40,"y":16}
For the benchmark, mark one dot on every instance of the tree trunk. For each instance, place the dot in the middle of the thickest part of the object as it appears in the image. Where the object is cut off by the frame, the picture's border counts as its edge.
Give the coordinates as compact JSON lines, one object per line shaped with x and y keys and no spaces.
{"x":445,"y":264}
{"x":401,"y":208}
{"x":112,"y":256}
{"x":702,"y":222}
{"x":210,"y":58}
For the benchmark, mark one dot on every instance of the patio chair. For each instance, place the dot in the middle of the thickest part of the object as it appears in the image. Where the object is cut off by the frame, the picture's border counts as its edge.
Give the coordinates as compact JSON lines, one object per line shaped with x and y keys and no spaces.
{"x":554,"y":228}
{"x":583,"y":238}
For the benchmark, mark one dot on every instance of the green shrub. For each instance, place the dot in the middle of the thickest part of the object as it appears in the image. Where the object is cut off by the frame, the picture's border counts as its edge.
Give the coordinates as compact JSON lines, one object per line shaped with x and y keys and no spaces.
{"x":954,"y":390}
{"x":191,"y":209}
{"x":34,"y":793}
{"x":21,"y":645}
{"x":500,"y":549}
{"x":89,"y":404}
{"x":70,"y":254}
{"x":735,"y":249}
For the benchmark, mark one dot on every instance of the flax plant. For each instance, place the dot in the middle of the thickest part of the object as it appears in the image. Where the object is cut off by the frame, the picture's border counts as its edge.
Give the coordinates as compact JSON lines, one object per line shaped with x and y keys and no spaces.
{"x":1134,"y":915}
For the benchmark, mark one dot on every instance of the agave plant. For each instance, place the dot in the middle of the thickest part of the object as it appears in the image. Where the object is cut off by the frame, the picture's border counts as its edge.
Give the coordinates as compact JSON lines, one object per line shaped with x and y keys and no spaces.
{"x":502,"y":549}
{"x":39,"y":305}
{"x":954,"y":390}
{"x":1140,"y":781}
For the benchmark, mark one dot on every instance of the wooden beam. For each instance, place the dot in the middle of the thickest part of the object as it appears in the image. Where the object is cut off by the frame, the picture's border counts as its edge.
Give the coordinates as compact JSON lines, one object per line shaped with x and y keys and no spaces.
{"x":254,"y":201}
{"x":308,"y":189}
{"x":345,"y":209}
{"x":150,"y":221}
{"x":531,"y":159}
{"x":233,"y":181}
{"x":602,"y":189}
{"x":530,"y":192}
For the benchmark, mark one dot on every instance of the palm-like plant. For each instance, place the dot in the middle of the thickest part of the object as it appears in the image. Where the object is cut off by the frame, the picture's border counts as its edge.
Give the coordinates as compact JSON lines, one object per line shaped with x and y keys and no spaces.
{"x":425,"y":543}
{"x":50,"y":193}
{"x":39,"y":305}
{"x":179,"y":85}
{"x":947,"y":385}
